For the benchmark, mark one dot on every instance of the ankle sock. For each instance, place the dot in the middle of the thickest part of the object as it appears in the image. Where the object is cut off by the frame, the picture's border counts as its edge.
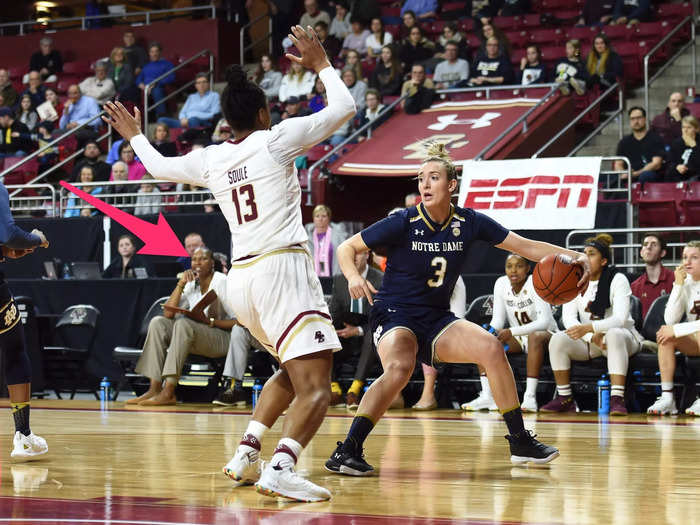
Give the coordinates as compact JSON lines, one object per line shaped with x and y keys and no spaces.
{"x":617,"y":390}
{"x":667,"y":390}
{"x":514,"y":421}
{"x":356,"y":387}
{"x":20,"y":413}
{"x":286,"y":454}
{"x":485,"y":386}
{"x":359,"y":430}
{"x":253,"y":435}
{"x":531,"y":386}
{"x":564,"y":390}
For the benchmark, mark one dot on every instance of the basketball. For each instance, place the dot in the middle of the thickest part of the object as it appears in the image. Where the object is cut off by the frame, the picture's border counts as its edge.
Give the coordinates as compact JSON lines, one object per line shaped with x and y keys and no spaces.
{"x":555,"y":278}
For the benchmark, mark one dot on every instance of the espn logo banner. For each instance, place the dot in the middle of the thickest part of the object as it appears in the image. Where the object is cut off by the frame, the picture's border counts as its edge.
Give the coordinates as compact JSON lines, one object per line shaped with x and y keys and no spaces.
{"x":533,"y":194}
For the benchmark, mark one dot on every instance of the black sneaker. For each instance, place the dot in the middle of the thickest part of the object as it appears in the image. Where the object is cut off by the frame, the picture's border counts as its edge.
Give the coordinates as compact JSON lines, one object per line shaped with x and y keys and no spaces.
{"x":525,"y":448}
{"x":231,"y":398}
{"x":342,"y":462}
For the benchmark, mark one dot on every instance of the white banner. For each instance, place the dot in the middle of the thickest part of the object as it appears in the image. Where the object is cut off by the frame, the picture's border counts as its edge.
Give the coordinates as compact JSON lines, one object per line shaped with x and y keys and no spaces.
{"x":533,"y":194}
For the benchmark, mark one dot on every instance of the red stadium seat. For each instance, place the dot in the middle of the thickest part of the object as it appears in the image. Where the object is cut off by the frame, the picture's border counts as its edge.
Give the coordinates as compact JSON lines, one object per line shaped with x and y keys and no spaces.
{"x":453,"y":6}
{"x":65,"y":82}
{"x":466,"y":25}
{"x":690,"y":204}
{"x":79,"y":68}
{"x":674,"y":11}
{"x":567,"y":14}
{"x":390,"y":11}
{"x":17,"y":72}
{"x":617,"y":33}
{"x":530,"y":20}
{"x":517,"y":39}
{"x":394,"y":30}
{"x":507,"y":23}
{"x":632,"y":54}
{"x":657,"y":204}
{"x":584,"y":34}
{"x":317,"y":152}
{"x":652,"y":31}
{"x":552,"y":5}
{"x":547,"y":36}
{"x":550,"y":55}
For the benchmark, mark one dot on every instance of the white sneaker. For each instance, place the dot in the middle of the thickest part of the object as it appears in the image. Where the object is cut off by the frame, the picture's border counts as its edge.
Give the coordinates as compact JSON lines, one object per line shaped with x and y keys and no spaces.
{"x":483,"y":402}
{"x":245,"y":465}
{"x":663,"y":406}
{"x":694,"y":409}
{"x":529,"y":404}
{"x":286,"y":483}
{"x":26,"y":448}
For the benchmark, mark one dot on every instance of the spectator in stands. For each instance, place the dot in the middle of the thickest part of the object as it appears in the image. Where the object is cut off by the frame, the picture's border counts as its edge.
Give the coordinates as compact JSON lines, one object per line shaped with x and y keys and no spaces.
{"x":571,"y":71}
{"x":491,"y":67}
{"x":532,"y":70}
{"x":356,"y":38}
{"x":26,"y":114}
{"x":330,"y":43}
{"x":148,"y":198}
{"x":684,"y":157}
{"x":127,"y":155}
{"x":351,"y":320}
{"x":452,"y":70}
{"x":236,"y":360}
{"x":378,"y":38}
{"x":7,"y":90}
{"x":370,"y":113}
{"x":268,"y":78}
{"x":74,"y":208}
{"x":674,"y":335}
{"x":293,"y":109}
{"x":35,"y":89}
{"x":491,"y":31}
{"x":354,"y":62}
{"x":324,"y":238}
{"x":14,"y":136}
{"x":657,"y":280}
{"x":356,"y":86}
{"x":202,"y":332}
{"x":603,"y":64}
{"x":410,"y":200}
{"x":47,"y":157}
{"x":156,"y":67}
{"x":365,"y":9}
{"x":210,"y":206}
{"x":423,"y":9}
{"x":408,"y":21}
{"x":222,"y":132}
{"x":80,"y":109}
{"x":124,"y":266}
{"x":47,"y":61}
{"x":387,"y":75}
{"x":91,"y":157}
{"x":161,"y":141}
{"x":340,"y":26}
{"x":318,"y":101}
{"x":120,"y":71}
{"x":667,"y":125}
{"x":313,"y":14}
{"x":416,"y":49}
{"x":631,"y":12}
{"x":420,"y":90}
{"x":597,"y":323}
{"x":193,"y":241}
{"x":450,"y":34}
{"x":642,"y":147}
{"x":200,"y":108}
{"x":298,"y":82}
{"x":52,"y":108}
{"x":99,"y":86}
{"x":596,"y":12}
{"x":120,"y":173}
{"x":502,"y":8}
{"x":135,"y":55}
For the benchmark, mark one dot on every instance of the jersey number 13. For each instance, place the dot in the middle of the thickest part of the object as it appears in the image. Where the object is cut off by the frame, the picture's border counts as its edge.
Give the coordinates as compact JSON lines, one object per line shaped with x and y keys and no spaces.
{"x":251,"y":213}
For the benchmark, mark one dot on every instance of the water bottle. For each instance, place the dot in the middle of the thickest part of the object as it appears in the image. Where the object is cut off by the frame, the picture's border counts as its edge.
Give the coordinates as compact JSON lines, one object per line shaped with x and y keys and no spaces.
{"x":603,"y":395}
{"x":66,"y":272}
{"x":603,"y":431}
{"x":257,"y":388}
{"x":104,"y":389}
{"x":490,"y":329}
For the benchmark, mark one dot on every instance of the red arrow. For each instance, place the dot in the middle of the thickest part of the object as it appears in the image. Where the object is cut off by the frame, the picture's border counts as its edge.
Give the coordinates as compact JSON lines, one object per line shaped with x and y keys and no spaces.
{"x":159,"y":238}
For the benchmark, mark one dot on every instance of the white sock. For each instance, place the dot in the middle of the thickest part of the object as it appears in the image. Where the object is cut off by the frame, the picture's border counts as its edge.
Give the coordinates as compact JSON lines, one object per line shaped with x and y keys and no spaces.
{"x":485,"y":387}
{"x":564,"y":390}
{"x":531,"y":387}
{"x":255,"y":430}
{"x":282,"y":456}
{"x":617,"y":390}
{"x":667,"y":390}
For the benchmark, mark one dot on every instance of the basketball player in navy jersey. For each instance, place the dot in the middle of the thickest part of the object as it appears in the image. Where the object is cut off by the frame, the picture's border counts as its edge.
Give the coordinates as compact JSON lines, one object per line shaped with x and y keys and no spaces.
{"x":426,"y":247}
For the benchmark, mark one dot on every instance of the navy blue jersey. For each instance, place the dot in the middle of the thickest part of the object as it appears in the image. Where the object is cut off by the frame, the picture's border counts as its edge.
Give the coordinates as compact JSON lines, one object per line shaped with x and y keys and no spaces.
{"x":424,"y":259}
{"x":12,"y":235}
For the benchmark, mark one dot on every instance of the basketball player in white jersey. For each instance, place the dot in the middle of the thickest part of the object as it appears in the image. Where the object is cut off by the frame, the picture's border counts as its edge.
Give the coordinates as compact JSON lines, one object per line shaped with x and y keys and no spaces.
{"x":272,"y":286}
{"x":530,"y":326}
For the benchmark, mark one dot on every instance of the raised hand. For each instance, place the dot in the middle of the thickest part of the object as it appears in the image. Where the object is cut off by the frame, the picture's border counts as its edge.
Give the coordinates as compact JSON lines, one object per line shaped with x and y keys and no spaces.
{"x":125,"y":123}
{"x":313,"y":56}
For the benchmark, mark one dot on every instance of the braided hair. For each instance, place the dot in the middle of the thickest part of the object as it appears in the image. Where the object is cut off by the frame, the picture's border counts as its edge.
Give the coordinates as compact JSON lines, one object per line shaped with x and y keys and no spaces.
{"x":241,"y":99}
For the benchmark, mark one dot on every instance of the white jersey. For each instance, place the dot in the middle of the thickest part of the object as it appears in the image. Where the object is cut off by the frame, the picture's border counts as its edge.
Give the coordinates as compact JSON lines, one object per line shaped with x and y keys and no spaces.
{"x":525,"y":311}
{"x":255,"y":181}
{"x":617,"y":315}
{"x":684,"y":299}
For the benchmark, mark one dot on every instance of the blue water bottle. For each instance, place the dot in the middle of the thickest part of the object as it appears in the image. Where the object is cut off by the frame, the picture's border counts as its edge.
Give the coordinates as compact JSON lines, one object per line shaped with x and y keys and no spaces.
{"x":257,"y":388}
{"x":104,"y":389}
{"x":603,"y":395}
{"x":490,"y":329}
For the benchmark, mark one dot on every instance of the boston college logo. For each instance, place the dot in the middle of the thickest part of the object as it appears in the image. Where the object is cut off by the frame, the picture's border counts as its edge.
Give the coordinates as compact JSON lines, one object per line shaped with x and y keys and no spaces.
{"x":319,"y":337}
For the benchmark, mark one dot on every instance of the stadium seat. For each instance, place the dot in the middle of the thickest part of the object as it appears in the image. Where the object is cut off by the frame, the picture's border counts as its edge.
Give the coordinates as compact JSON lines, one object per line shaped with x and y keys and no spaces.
{"x":316,"y":152}
{"x":632,"y":54}
{"x":548,"y":6}
{"x":657,"y":204}
{"x":567,"y":14}
{"x":674,"y":11}
{"x":390,"y":11}
{"x":466,"y":25}
{"x":690,"y":204}
{"x":584,"y":34}
{"x":530,"y":20}
{"x":79,"y":68}
{"x":517,"y":39}
{"x":547,"y":36}
{"x":507,"y":23}
{"x":636,"y":312}
{"x":618,"y":33}
{"x":654,"y":318}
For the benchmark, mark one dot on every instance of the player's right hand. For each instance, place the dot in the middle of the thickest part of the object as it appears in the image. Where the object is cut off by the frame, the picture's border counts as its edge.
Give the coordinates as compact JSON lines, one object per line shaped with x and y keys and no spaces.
{"x":40,"y":234}
{"x":359,"y":287}
{"x":188,"y":276}
{"x":680,"y":274}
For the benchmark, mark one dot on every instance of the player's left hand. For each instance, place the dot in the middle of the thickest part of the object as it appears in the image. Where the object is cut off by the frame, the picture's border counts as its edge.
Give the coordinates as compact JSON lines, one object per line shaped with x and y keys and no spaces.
{"x":598,"y":340}
{"x":583,"y":261}
{"x":13,"y":253}
{"x":665,"y":334}
{"x":125,"y":123}
{"x":348,"y":331}
{"x":359,"y":287}
{"x":578,"y":331}
{"x":504,"y":335}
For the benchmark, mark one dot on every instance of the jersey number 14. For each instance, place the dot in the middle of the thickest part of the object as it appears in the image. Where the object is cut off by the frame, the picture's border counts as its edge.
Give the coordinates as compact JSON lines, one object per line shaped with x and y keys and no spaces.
{"x":251,"y":213}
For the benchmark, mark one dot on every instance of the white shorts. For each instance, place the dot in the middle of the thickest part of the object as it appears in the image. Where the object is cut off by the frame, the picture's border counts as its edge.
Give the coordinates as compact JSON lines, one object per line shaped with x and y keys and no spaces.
{"x":278,"y":297}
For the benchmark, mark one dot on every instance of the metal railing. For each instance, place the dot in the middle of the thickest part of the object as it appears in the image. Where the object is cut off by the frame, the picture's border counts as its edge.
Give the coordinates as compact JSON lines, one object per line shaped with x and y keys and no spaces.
{"x":598,"y":101}
{"x":147,"y":88}
{"x":515,"y":88}
{"x":630,"y":247}
{"x":247,"y":27}
{"x":25,"y":204}
{"x":691,"y":43}
{"x":84,"y":20}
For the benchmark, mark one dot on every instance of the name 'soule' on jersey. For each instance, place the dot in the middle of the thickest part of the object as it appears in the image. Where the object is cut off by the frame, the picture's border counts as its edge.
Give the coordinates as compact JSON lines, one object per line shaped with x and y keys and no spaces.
{"x":424,"y":259}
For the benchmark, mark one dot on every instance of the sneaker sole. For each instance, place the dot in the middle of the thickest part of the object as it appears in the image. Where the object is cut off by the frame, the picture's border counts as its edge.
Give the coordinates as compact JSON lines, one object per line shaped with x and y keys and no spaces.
{"x":236,"y":404}
{"x":663,"y":413}
{"x":347,"y":471}
{"x":233,"y":476}
{"x":274,"y":494}
{"x":529,"y":410}
{"x":28,"y":457}
{"x":352,"y":407}
{"x":519,"y":460}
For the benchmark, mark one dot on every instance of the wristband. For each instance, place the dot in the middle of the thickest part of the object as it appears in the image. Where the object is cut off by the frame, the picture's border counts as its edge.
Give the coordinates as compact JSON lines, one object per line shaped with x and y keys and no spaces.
{"x":211,"y":322}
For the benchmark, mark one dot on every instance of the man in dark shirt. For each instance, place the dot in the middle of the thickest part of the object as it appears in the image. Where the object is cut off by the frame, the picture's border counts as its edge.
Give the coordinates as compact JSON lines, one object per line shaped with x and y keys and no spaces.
{"x":491,"y":67}
{"x":135,"y":54}
{"x":656,"y":280}
{"x":642,"y":147}
{"x":91,"y":157}
{"x":35,"y":89}
{"x":330,"y":43}
{"x":667,"y":125}
{"x":46,"y":61}
{"x":420,"y":91}
{"x":14,"y":136}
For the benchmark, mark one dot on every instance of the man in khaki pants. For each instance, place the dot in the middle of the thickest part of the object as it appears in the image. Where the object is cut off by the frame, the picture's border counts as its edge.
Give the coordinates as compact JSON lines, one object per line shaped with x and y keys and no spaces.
{"x":170,"y":340}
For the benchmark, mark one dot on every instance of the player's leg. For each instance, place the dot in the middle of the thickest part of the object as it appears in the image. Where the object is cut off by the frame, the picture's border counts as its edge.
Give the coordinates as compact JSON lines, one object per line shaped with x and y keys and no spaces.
{"x":150,"y":363}
{"x":427,"y":399}
{"x":465,"y":342}
{"x":397,"y":351}
{"x":485,"y":401}
{"x":665,"y":403}
{"x":620,"y":345}
{"x":536,"y":346}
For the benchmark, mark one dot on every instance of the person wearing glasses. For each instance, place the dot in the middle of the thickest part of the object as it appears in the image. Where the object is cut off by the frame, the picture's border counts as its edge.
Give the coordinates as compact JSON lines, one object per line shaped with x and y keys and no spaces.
{"x":200,"y":108}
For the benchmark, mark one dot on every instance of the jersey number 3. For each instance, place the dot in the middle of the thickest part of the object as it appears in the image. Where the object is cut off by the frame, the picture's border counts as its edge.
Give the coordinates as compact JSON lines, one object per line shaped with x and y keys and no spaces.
{"x":252,"y":212}
{"x":440,"y":265}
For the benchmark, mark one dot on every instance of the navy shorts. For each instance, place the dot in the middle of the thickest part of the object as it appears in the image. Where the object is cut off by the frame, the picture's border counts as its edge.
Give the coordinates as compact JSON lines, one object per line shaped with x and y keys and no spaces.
{"x":426,"y":323}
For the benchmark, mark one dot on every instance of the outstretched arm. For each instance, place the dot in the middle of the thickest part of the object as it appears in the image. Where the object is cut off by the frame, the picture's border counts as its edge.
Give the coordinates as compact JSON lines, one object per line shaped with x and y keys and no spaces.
{"x":357,"y":285}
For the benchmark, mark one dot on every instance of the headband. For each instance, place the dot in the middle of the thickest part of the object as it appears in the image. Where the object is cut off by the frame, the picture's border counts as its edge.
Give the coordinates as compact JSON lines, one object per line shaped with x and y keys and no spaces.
{"x":602,"y":248}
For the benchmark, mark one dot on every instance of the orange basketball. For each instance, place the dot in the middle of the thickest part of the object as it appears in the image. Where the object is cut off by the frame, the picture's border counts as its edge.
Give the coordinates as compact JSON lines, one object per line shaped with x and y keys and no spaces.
{"x":555,"y":278}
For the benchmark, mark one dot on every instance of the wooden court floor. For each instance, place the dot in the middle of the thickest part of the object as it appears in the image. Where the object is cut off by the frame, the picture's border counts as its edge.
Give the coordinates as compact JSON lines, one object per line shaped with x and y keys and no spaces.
{"x":137,"y":466}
